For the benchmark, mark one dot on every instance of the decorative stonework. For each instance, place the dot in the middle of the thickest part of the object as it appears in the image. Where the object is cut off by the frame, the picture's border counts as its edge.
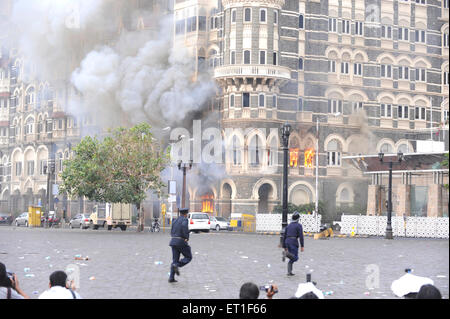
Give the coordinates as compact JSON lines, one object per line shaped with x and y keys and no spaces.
{"x":278,"y":4}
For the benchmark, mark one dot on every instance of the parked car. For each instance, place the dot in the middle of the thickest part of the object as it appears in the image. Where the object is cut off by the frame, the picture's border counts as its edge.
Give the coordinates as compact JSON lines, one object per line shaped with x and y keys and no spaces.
{"x":219,"y":223}
{"x":5,"y":219}
{"x":80,"y":221}
{"x":22,"y":219}
{"x":199,"y":222}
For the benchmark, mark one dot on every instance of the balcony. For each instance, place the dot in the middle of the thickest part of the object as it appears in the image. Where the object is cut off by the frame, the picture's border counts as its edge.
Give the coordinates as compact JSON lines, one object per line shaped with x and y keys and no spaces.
{"x":268,"y":74}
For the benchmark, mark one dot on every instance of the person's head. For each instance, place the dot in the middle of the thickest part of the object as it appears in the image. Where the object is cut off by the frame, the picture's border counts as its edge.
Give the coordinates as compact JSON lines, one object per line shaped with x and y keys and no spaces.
{"x":296,"y":216}
{"x":429,"y":292}
{"x":58,"y":278}
{"x":184,"y":211}
{"x":4,"y":279}
{"x":309,"y":295}
{"x":249,"y":291}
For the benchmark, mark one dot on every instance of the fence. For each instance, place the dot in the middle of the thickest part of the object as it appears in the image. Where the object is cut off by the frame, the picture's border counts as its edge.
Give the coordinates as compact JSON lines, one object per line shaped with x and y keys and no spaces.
{"x":426,"y":227}
{"x":272,"y":222}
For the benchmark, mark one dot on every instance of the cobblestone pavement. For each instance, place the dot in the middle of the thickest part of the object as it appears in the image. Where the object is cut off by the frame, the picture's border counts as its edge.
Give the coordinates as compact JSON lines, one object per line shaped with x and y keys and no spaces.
{"x":135,"y":265}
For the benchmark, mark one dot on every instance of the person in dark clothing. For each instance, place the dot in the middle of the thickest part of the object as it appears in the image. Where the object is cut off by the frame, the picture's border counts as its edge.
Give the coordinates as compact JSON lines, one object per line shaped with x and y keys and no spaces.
{"x":293,"y":232}
{"x":428,"y":292}
{"x":179,"y":244}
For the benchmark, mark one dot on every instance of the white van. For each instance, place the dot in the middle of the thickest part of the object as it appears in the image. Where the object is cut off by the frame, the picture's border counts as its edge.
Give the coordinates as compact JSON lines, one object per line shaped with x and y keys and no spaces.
{"x":199,"y":222}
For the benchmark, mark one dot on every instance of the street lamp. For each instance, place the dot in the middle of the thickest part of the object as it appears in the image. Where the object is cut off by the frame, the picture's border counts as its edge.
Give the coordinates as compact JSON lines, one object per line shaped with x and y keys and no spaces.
{"x":389,"y":233}
{"x":184,"y":166}
{"x":285,"y":132}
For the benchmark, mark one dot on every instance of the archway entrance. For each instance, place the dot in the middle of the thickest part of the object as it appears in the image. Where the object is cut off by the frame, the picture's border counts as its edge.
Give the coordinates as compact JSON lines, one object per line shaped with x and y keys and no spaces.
{"x":264,"y":193}
{"x":226,"y":200}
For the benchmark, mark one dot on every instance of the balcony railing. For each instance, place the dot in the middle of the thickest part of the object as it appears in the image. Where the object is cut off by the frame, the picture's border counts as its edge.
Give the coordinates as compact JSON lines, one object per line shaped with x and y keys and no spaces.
{"x":254,"y":71}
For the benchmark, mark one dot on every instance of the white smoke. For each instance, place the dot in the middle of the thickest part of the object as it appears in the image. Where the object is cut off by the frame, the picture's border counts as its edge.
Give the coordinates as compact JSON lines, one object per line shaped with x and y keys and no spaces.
{"x":122,"y":77}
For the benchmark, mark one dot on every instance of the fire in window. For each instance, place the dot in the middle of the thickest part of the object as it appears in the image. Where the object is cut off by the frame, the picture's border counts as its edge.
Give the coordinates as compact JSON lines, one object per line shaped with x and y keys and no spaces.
{"x":309,"y":156}
{"x":207,"y":204}
{"x":293,"y":157}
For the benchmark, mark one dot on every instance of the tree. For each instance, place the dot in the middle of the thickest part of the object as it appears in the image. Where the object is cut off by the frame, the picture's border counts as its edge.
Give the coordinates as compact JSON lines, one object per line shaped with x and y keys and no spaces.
{"x":119,"y":169}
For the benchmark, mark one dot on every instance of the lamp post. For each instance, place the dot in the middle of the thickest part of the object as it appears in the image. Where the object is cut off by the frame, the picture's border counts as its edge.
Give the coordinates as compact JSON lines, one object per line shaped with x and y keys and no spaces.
{"x":285,"y":132}
{"x":389,"y":233}
{"x":184,"y":166}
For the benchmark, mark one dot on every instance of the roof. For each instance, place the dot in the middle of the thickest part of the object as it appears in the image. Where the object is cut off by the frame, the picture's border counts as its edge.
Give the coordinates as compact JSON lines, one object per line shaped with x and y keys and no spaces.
{"x":410,"y":162}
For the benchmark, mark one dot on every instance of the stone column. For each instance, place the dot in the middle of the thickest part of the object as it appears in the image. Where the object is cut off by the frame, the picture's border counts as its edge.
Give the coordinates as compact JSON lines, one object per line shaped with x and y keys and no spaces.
{"x":403,"y":207}
{"x":375,"y":196}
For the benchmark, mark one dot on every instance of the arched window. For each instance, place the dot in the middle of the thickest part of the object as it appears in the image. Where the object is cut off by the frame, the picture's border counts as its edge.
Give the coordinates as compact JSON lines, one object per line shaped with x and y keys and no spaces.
{"x":345,"y":195}
{"x":247,"y":57}
{"x":247,"y":14}
{"x":403,"y":148}
{"x":29,"y":126}
{"x":334,"y":150}
{"x":255,"y":151}
{"x":261,"y":100}
{"x":272,"y":152}
{"x":386,"y":148}
{"x":231,"y":104}
{"x":236,"y":149}
{"x":300,"y":63}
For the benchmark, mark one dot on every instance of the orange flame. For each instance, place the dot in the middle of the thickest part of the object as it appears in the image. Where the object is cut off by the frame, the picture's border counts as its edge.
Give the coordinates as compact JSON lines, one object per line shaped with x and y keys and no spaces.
{"x":293,"y":157}
{"x":207,"y":203}
{"x":309,"y":156}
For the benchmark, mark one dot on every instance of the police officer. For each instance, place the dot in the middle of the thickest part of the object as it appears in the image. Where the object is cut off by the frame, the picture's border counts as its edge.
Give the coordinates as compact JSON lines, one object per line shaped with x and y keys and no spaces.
{"x":292,"y":233}
{"x":179,"y":244}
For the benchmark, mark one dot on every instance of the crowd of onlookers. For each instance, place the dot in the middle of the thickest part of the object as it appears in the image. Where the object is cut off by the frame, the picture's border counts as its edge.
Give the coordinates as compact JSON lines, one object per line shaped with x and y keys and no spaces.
{"x":61,"y":288}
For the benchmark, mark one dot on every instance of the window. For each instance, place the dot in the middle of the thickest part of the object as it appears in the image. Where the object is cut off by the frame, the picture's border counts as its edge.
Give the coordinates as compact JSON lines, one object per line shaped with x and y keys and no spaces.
{"x":445,"y":40}
{"x":255,"y":150}
{"x":262,"y":57}
{"x":403,"y":112}
{"x":42,"y":167}
{"x":445,"y":4}
{"x":334,"y":153}
{"x":29,"y":126}
{"x":346,"y":26}
{"x":386,"y":71}
{"x":275,"y":59}
{"x":247,"y":14}
{"x":334,"y":106}
{"x":272,"y":152}
{"x":233,"y":57}
{"x":18,"y":168}
{"x":233,"y":16}
{"x":386,"y":110}
{"x":420,"y":1}
{"x":262,"y":15}
{"x":359,"y":28}
{"x":344,"y":196}
{"x":191,"y":24}
{"x":357,"y":69}
{"x":60,"y":162}
{"x":301,"y":21}
{"x":246,"y":99}
{"x":236,"y":151}
{"x":386,"y":148}
{"x":247,"y":57}
{"x":420,"y":113}
{"x":386,"y":32}
{"x":180,"y":27}
{"x":344,"y":67}
{"x":403,"y":73}
{"x":30,"y":168}
{"x":274,"y":101}
{"x":202,"y":23}
{"x":421,"y":75}
{"x":332,"y":25}
{"x":275,"y":17}
{"x":231,"y":102}
{"x":300,"y":105}
{"x":446,"y":78}
{"x":300,"y":64}
{"x":356,"y":106}
{"x":332,"y":66}
{"x":261,"y":100}
{"x":403,"y":34}
{"x":420,"y":36}
{"x":445,"y":117}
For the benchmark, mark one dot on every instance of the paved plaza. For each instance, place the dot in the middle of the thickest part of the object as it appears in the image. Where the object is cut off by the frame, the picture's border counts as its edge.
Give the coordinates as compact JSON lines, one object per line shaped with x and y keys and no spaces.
{"x":134,"y":265}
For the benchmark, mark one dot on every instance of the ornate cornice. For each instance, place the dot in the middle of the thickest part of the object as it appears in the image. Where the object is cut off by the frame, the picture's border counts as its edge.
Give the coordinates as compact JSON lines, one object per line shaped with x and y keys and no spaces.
{"x":227,"y":4}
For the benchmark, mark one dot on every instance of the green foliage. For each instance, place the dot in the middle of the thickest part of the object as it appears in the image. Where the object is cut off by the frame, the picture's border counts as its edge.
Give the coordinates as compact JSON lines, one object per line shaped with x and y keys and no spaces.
{"x":121,"y":168}
{"x":302,"y":209}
